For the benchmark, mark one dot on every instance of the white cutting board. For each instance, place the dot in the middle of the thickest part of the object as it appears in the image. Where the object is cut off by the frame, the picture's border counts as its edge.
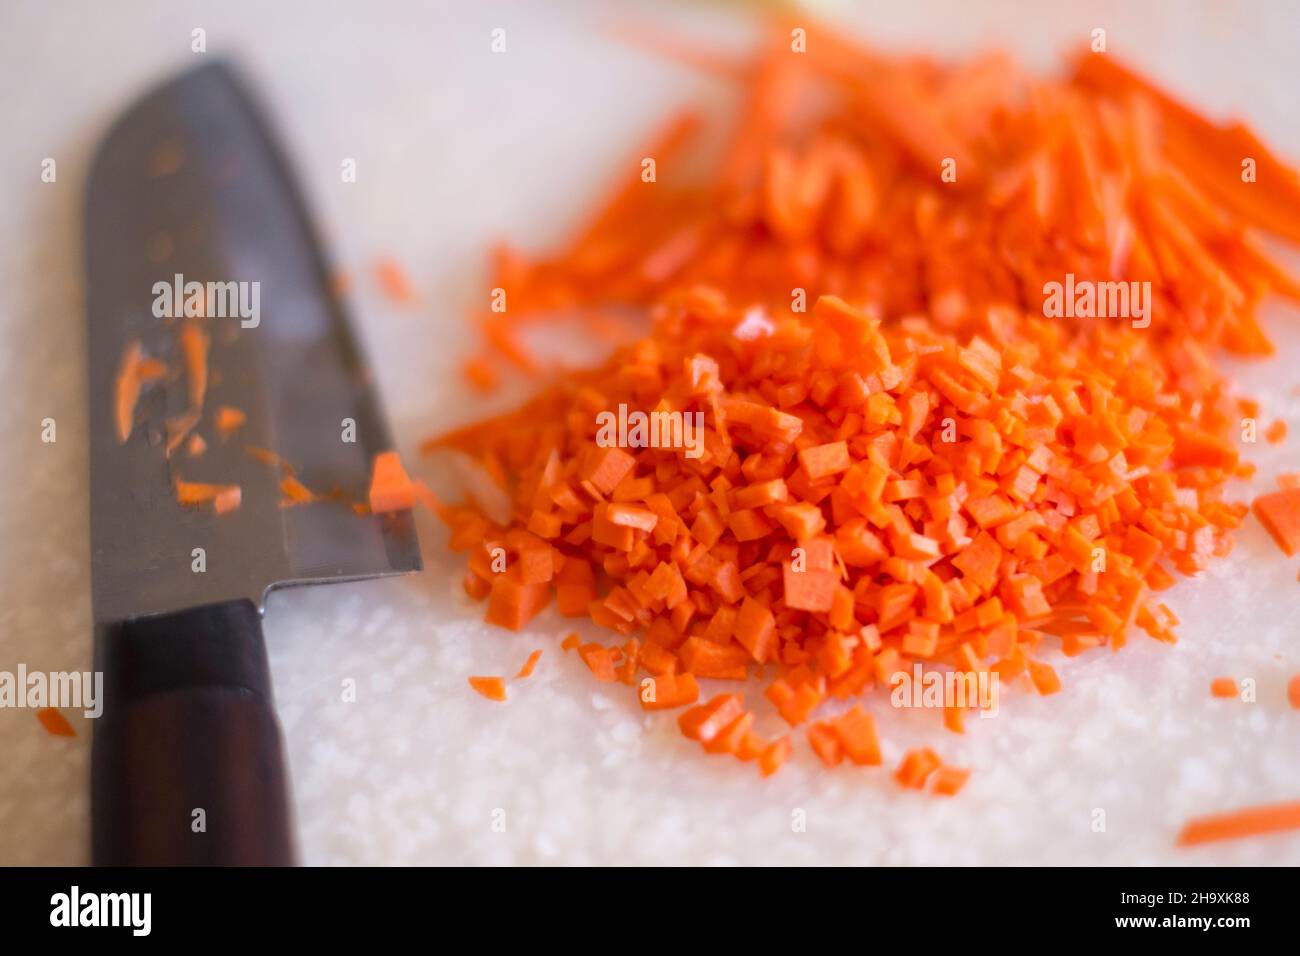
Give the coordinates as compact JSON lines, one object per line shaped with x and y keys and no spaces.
{"x":455,"y":147}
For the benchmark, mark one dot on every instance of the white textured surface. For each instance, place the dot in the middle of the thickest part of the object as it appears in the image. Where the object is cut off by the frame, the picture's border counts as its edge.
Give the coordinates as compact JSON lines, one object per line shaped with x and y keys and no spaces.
{"x":456,"y":147}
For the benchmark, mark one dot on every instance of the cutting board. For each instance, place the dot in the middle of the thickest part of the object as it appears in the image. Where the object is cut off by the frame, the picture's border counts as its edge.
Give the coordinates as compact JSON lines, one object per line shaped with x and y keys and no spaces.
{"x":394,"y":760}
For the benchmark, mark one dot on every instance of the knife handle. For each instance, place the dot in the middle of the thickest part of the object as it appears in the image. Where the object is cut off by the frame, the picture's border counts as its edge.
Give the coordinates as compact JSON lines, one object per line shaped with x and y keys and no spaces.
{"x":187,"y":766}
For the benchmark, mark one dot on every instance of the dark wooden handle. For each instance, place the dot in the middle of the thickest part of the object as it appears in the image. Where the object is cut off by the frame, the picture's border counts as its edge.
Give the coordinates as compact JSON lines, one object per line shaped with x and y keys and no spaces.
{"x":188,"y":765}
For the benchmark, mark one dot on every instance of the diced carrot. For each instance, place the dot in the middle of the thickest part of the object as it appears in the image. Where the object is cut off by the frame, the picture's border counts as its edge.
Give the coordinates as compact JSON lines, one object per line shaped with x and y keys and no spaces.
{"x":1044,"y":677}
{"x":916,"y":767}
{"x":948,"y":781}
{"x":1279,"y":513}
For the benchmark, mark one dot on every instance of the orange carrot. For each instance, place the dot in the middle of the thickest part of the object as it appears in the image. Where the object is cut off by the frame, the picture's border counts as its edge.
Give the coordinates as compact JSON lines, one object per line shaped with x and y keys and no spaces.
{"x":228,"y":419}
{"x":394,"y":283}
{"x":527,"y":669}
{"x":1223,"y":687}
{"x":55,"y":723}
{"x":935,"y":458}
{"x":127,"y":390}
{"x":224,"y":498}
{"x":1293,"y":691}
{"x":294,"y":492}
{"x":1279,"y":513}
{"x":916,"y":767}
{"x":493,"y":688}
{"x":1236,"y":824}
{"x":948,"y":781}
{"x":390,"y":487}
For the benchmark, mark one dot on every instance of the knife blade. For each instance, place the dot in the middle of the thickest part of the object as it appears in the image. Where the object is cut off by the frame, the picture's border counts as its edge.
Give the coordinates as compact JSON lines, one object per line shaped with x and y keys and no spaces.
{"x":189,"y":194}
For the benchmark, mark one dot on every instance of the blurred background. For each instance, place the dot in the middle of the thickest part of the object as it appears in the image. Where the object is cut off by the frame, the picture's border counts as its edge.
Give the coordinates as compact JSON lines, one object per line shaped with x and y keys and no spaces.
{"x":457,"y":147}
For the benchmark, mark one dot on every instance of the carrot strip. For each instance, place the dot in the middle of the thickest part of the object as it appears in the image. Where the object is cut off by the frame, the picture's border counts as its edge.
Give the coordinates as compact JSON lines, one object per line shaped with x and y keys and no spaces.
{"x":1237,"y":824}
{"x":527,"y":669}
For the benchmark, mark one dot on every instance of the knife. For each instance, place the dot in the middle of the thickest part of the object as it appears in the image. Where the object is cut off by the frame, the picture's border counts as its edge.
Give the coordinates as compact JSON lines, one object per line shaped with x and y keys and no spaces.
{"x":188,"y":187}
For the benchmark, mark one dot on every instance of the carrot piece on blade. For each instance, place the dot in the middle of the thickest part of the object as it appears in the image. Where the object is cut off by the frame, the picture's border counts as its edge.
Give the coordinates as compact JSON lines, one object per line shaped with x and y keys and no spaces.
{"x":390,"y":487}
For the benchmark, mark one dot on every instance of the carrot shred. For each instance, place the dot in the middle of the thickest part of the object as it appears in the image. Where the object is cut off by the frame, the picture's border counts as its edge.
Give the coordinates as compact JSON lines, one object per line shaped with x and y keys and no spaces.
{"x":1293,"y":691}
{"x":1237,"y":824}
{"x":527,"y":669}
{"x":493,"y":688}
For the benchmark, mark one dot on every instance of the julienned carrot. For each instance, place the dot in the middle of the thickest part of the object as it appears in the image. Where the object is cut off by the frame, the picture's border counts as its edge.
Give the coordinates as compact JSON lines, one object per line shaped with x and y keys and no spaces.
{"x":1293,"y":691}
{"x":493,"y":688}
{"x":1236,"y":824}
{"x":390,"y":487}
{"x":904,"y":453}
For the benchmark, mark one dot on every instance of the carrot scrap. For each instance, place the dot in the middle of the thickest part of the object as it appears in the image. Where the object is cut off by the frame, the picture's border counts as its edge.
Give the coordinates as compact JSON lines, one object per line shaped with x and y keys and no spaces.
{"x":527,"y":669}
{"x":127,"y":390}
{"x":228,"y":419}
{"x":390,"y":487}
{"x":493,"y":688}
{"x":294,"y":492}
{"x":224,"y":498}
{"x":1293,"y":691}
{"x":1236,"y":824}
{"x":1279,"y":513}
{"x":55,"y":723}
{"x":948,"y":781}
{"x":196,"y":446}
{"x":394,"y":282}
{"x":918,"y":440}
{"x":1223,"y":687}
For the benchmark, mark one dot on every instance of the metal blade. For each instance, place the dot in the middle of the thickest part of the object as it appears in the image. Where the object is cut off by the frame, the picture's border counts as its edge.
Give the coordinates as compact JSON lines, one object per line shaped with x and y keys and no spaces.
{"x":189,"y":182}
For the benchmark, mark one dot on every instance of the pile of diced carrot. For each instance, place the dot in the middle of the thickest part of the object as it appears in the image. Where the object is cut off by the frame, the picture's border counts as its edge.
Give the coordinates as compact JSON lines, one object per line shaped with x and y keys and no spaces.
{"x":903,"y":459}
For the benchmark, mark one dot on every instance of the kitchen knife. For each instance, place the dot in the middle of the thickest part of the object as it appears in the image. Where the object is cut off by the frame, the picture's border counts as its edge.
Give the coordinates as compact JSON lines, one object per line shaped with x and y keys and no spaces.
{"x":188,"y":764}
